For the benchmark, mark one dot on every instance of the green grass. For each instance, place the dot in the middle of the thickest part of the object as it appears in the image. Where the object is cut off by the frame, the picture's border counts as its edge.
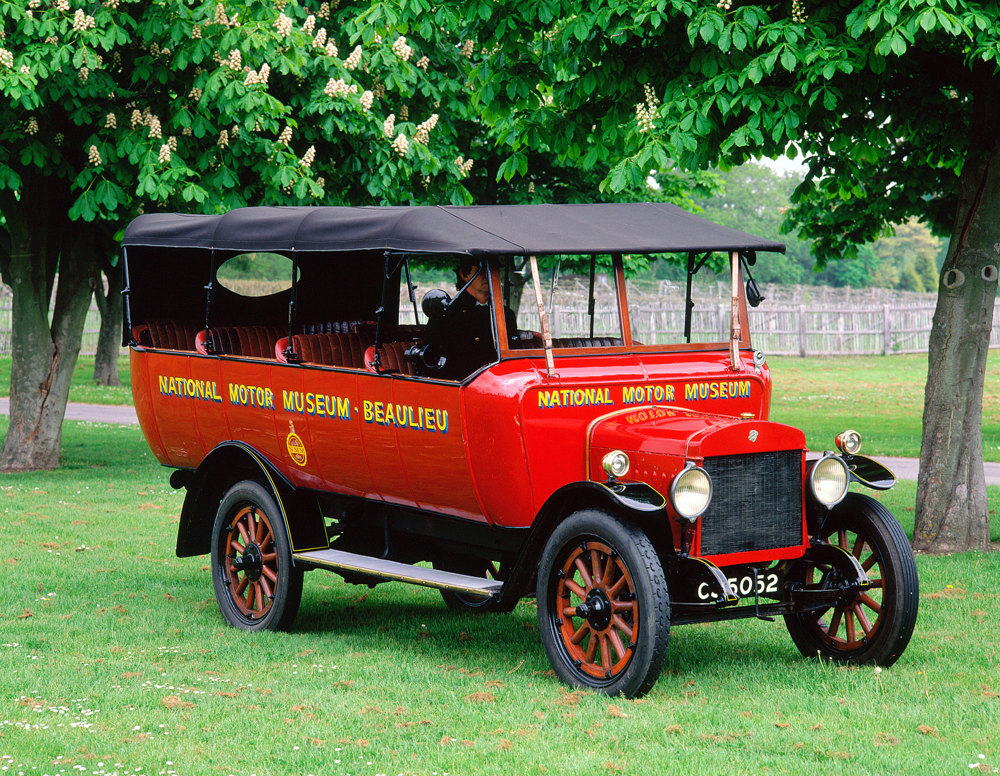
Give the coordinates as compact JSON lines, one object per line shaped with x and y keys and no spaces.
{"x":82,"y":388}
{"x":881,"y":397}
{"x":125,"y":666}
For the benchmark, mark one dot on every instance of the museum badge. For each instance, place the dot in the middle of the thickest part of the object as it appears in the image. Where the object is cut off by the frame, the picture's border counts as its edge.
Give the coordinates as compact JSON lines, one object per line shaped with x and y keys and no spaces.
{"x":753,"y":435}
{"x":296,"y":448}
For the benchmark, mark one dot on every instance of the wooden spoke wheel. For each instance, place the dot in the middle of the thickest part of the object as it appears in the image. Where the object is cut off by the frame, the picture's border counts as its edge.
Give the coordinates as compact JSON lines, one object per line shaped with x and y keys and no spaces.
{"x":255,"y":584}
{"x":872,"y":625}
{"x":603,"y":606}
{"x":467,"y":602}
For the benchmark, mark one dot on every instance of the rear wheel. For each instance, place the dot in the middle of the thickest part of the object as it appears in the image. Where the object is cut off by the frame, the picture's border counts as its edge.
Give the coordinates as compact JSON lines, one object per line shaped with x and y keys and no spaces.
{"x":603,"y":605}
{"x":255,"y":583}
{"x":873,"y":625}
{"x":467,"y":602}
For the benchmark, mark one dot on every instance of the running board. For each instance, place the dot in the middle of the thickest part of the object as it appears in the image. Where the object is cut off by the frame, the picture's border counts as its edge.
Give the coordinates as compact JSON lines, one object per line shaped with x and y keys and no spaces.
{"x":339,"y":560}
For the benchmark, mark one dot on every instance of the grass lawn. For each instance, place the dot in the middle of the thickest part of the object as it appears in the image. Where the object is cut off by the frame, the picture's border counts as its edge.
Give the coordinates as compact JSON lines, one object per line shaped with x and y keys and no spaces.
{"x":114,"y":659}
{"x":881,"y":397}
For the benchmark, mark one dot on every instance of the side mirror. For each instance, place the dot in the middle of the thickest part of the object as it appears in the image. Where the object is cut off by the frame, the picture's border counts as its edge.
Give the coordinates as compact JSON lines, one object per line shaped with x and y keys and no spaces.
{"x":754,"y":296}
{"x":435,"y":304}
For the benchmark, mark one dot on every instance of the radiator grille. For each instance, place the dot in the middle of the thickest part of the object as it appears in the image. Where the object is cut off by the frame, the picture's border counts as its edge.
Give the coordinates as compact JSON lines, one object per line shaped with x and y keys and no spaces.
{"x":756,"y":502}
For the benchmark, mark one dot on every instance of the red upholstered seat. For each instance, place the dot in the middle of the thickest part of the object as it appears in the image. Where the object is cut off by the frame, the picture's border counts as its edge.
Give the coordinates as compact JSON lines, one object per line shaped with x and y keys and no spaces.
{"x":331,"y":349}
{"x":392,"y":358}
{"x":170,"y":335}
{"x":252,"y":341}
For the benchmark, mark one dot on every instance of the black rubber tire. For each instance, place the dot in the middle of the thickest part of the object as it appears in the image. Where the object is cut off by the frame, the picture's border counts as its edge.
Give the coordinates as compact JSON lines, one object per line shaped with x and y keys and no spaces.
{"x":279,"y":583}
{"x":623,"y":551}
{"x":864,"y":527}
{"x":462,"y":602}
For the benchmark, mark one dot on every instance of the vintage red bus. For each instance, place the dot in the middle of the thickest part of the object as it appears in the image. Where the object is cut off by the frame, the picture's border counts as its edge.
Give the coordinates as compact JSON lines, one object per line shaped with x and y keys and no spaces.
{"x":550,"y":428}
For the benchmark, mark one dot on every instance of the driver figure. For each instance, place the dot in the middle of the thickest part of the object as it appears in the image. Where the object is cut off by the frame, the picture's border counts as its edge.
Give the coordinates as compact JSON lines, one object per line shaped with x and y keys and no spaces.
{"x":466,"y":330}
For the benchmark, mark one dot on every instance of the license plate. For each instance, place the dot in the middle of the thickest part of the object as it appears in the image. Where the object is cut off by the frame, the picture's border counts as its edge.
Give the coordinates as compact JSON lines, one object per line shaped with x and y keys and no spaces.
{"x":745,"y":584}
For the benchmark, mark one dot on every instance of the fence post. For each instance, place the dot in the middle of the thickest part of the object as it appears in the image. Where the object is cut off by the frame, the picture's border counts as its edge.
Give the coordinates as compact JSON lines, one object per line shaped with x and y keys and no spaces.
{"x":886,"y":331}
{"x":802,"y":330}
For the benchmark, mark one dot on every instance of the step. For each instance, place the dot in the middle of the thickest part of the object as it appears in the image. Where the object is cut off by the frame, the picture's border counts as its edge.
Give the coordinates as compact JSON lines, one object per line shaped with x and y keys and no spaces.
{"x":401,"y":572}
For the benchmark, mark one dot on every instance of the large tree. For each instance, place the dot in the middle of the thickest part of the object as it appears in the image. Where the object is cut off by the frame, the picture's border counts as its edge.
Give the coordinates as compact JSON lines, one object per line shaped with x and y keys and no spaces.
{"x":115,"y":108}
{"x":894,"y":104}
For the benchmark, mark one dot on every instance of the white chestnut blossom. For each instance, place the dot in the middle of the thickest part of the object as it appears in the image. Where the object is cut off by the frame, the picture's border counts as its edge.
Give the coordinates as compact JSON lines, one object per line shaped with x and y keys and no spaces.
{"x":223,"y":140}
{"x":286,"y":136}
{"x":81,"y":21}
{"x":310,"y":24}
{"x":367,"y":98}
{"x":94,"y":156}
{"x":32,"y":128}
{"x":164,"y":156}
{"x":422,"y":63}
{"x":111,"y":121}
{"x":422,"y":134}
{"x":401,"y":145}
{"x":6,"y":58}
{"x":320,"y":40}
{"x":402,"y":49}
{"x":354,"y":59}
{"x":309,"y":157}
{"x":389,"y":125}
{"x":283,"y":25}
{"x":464,"y":165}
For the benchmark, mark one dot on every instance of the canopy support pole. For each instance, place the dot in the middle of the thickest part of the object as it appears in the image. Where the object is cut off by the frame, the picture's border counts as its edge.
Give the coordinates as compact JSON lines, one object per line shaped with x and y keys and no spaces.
{"x":543,"y":318}
{"x":736,"y":333}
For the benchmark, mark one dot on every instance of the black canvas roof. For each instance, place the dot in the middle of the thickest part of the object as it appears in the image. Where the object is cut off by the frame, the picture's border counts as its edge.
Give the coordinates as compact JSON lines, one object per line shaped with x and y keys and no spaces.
{"x":642,"y":227}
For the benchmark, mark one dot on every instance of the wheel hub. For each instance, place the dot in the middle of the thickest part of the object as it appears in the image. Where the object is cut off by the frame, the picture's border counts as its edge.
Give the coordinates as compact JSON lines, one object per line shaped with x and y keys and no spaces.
{"x":596,"y":609}
{"x":252,"y":562}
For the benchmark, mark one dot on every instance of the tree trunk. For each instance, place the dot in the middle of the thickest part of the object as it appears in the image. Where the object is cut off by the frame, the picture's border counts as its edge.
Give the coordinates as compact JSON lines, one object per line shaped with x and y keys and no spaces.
{"x":44,"y":354}
{"x":110,"y":337}
{"x":951,"y":511}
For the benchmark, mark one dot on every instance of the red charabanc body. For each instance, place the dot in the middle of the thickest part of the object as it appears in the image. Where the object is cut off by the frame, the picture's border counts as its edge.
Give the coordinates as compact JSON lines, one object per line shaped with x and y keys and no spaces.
{"x":626,"y":485}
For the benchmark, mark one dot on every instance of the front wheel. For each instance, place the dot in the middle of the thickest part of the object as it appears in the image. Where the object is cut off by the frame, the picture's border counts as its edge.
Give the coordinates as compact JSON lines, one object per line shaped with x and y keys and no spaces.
{"x":603,"y":605}
{"x":255,"y":583}
{"x":873,"y":625}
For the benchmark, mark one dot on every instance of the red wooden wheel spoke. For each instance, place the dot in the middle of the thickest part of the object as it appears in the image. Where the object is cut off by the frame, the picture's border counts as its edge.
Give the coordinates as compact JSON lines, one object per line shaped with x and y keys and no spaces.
{"x":238,"y":591}
{"x":576,"y":589}
{"x":268,"y":538}
{"x":870,"y":561}
{"x":569,"y":611}
{"x":871,"y":603}
{"x":616,"y":642}
{"x":584,"y":574}
{"x":243,"y":532}
{"x":269,"y":557}
{"x":591,"y":647}
{"x":866,"y":626}
{"x":859,"y":546}
{"x":252,"y":524}
{"x":842,"y":538}
{"x":835,"y":621}
{"x":605,"y":650}
{"x":270,"y":573}
{"x":616,"y":588}
{"x":849,"y":621}
{"x":877,"y":584}
{"x":596,"y":568}
{"x":258,"y":597}
{"x":609,"y":571}
{"x":236,"y":547}
{"x":621,"y":606}
{"x":268,"y":590}
{"x":577,"y":637}
{"x":624,"y":627}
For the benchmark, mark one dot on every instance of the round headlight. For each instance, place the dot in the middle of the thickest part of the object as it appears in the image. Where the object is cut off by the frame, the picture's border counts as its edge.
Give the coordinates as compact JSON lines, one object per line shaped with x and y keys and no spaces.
{"x":829,"y":480}
{"x":849,"y":442}
{"x":691,"y":492}
{"x":615,"y":464}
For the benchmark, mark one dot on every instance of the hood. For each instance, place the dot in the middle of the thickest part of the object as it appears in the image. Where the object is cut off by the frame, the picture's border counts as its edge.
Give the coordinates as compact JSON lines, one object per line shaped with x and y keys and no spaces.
{"x":690,"y":434}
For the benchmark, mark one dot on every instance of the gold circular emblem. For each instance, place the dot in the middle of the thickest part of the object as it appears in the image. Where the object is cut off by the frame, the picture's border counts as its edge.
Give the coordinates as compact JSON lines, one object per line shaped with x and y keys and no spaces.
{"x":296,"y":448}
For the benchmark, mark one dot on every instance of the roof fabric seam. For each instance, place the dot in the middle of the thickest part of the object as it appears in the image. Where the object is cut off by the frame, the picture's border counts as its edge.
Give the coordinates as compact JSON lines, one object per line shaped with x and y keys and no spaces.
{"x":479,"y":228}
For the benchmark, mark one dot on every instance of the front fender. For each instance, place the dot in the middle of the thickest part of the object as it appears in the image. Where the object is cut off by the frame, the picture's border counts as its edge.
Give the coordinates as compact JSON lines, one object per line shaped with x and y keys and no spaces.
{"x":633,"y":502}
{"x":229,"y":463}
